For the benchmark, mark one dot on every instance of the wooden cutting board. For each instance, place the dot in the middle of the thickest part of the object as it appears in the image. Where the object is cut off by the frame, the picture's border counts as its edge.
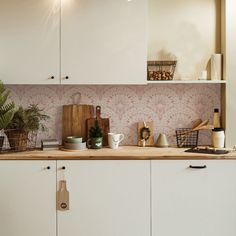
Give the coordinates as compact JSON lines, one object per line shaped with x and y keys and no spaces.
{"x":74,"y":120}
{"x":150,"y":141}
{"x":104,"y":124}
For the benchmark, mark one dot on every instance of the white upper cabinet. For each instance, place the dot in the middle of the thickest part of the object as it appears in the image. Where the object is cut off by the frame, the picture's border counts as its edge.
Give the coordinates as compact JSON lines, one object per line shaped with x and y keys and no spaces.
{"x":104,"y":42}
{"x":29,"y":41}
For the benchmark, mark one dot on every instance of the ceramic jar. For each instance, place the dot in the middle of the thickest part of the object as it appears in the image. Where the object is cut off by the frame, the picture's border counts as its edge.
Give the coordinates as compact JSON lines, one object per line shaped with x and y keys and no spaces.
{"x":218,"y":138}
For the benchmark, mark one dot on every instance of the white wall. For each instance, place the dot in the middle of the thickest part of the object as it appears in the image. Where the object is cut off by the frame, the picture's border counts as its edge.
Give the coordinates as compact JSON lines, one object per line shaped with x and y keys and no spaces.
{"x":230,"y":66}
{"x":188,"y":30}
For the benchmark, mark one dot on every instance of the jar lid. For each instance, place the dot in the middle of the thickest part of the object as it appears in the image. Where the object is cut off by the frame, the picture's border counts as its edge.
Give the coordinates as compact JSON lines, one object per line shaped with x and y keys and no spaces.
{"x":218,"y":129}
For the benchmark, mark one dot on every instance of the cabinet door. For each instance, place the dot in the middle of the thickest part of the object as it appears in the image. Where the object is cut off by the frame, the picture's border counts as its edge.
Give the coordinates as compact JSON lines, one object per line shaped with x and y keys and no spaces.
{"x":106,"y":198}
{"x":29,"y":42}
{"x":196,"y":202}
{"x":104,"y":42}
{"x":28,"y":198}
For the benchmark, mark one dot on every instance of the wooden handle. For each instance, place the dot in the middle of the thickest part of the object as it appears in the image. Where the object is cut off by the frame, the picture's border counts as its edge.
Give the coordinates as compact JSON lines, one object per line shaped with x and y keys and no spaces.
{"x":98,"y":112}
{"x":205,"y":122}
{"x":76,"y":98}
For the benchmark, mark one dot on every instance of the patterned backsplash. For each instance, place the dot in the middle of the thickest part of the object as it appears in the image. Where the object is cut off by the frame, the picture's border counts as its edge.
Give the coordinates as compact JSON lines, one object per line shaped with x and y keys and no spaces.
{"x":168,"y":106}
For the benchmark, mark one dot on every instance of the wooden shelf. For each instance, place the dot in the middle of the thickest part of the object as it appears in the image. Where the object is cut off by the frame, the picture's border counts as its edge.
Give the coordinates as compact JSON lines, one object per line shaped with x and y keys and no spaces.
{"x":188,"y":82}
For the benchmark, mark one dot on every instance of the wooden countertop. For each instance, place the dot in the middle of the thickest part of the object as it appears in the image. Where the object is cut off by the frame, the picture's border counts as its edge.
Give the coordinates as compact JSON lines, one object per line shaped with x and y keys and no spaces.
{"x":123,"y":153}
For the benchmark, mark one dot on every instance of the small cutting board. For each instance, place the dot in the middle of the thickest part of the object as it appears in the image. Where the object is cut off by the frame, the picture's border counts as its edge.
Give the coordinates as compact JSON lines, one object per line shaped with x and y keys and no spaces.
{"x":150,"y":141}
{"x":62,"y":197}
{"x":104,"y":124}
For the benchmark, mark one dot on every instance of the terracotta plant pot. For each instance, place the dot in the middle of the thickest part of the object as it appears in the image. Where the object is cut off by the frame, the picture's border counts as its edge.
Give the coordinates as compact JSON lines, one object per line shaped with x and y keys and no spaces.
{"x":17,"y":139}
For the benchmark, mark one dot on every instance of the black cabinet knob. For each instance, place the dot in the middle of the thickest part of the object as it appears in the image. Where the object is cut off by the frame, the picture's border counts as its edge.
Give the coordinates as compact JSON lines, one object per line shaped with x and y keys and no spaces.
{"x":48,"y":167}
{"x":63,"y":168}
{"x":67,"y":77}
{"x":63,"y":205}
{"x":52,"y":77}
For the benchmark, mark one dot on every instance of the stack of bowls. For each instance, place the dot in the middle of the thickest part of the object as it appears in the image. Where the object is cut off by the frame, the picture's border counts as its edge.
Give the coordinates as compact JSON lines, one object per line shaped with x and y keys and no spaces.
{"x":74,"y":143}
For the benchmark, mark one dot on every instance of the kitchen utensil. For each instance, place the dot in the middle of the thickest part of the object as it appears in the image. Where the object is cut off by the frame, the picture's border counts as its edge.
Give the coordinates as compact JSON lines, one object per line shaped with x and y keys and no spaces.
{"x":74,"y":119}
{"x":150,"y":134}
{"x":103,"y":123}
{"x":114,"y":140}
{"x":74,"y":139}
{"x":202,"y":126}
{"x":207,"y":150}
{"x":162,"y":141}
{"x":196,"y":123}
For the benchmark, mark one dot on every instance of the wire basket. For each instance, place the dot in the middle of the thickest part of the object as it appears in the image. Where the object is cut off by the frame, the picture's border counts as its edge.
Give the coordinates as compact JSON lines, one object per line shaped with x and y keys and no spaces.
{"x":17,"y":141}
{"x":161,"y":70}
{"x":185,"y":138}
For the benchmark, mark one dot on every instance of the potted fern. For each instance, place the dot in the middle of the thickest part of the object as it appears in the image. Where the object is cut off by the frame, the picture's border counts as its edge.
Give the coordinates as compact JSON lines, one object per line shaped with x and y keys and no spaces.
{"x":24,"y":122}
{"x":95,"y":134}
{"x":6,"y":111}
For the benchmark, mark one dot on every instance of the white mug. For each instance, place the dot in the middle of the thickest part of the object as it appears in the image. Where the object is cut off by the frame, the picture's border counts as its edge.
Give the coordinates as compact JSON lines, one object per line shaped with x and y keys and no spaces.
{"x":114,"y":140}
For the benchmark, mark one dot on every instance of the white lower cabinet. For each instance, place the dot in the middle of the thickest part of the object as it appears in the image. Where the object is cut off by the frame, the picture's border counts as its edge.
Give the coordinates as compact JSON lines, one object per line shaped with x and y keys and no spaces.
{"x":107,"y":198}
{"x":27,"y":198}
{"x":112,"y":198}
{"x":197,"y":201}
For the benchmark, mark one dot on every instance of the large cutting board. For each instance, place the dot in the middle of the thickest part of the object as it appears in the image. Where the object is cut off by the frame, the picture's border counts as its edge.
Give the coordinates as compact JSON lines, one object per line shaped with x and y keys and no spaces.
{"x":74,"y":120}
{"x":104,"y":124}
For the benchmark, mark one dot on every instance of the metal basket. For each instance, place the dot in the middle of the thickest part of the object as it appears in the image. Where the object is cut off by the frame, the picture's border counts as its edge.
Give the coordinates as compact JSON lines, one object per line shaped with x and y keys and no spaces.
{"x":185,"y":138}
{"x":17,"y":141}
{"x":161,"y":70}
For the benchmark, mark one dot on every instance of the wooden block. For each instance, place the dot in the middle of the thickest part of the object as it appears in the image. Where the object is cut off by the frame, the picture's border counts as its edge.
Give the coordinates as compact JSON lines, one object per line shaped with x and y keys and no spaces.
{"x":150,"y":141}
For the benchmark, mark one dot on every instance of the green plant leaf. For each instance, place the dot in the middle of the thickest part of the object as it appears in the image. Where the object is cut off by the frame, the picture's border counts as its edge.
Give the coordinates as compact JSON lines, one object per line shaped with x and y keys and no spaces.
{"x":30,"y":119}
{"x":95,"y":132}
{"x":6,"y":110}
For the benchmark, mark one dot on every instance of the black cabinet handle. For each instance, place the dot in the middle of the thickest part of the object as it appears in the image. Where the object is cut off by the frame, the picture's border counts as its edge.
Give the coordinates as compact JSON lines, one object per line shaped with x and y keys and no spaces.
{"x":67,"y":77}
{"x":63,"y":168}
{"x":48,"y":167}
{"x":198,"y":167}
{"x":52,"y":77}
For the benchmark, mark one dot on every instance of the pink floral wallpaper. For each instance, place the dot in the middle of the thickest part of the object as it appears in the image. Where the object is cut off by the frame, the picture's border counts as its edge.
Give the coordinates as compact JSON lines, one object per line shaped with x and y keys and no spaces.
{"x":168,"y":106}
